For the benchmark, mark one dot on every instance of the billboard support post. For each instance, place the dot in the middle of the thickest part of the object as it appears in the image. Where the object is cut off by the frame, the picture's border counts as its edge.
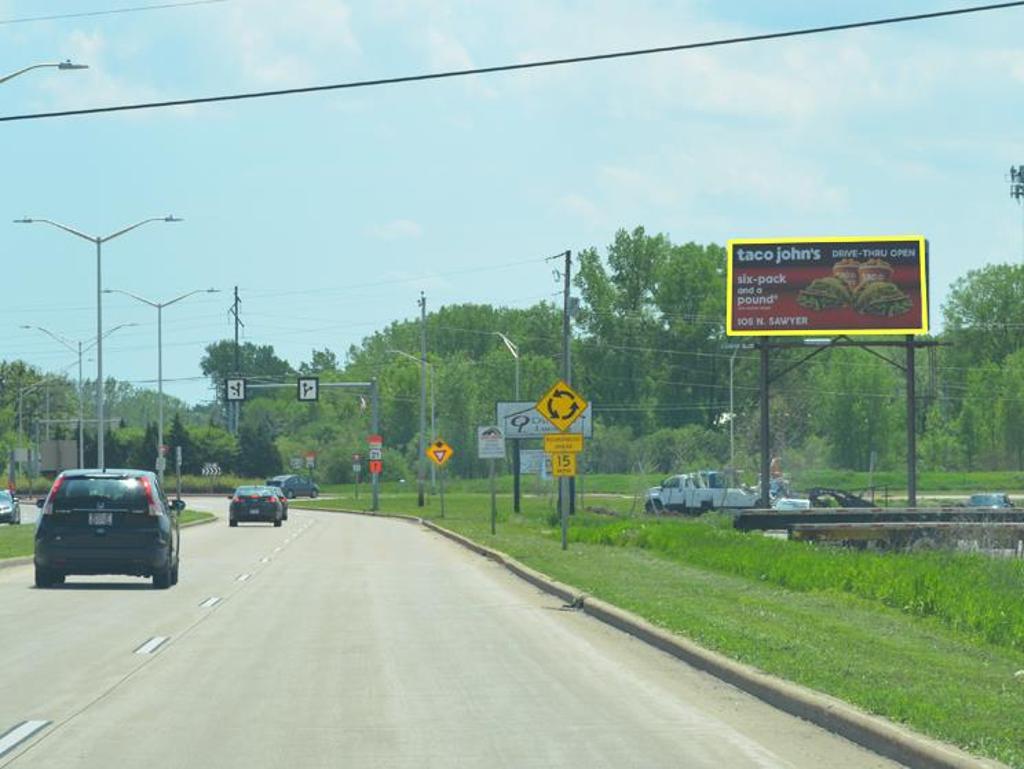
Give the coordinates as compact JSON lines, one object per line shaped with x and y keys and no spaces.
{"x":765,"y":426}
{"x":911,"y":425}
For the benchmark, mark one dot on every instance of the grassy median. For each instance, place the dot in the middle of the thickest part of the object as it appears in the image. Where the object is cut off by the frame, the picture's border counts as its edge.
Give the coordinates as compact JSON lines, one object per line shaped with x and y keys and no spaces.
{"x":934,"y":641}
{"x":17,"y":541}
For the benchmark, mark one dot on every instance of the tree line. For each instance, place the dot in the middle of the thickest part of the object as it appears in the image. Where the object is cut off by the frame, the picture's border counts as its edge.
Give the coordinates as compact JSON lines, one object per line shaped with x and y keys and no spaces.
{"x":649,"y":351}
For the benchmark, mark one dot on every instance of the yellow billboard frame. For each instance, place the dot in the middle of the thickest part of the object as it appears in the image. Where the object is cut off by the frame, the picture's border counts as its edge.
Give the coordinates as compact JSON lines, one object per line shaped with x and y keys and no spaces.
{"x":922,"y":267}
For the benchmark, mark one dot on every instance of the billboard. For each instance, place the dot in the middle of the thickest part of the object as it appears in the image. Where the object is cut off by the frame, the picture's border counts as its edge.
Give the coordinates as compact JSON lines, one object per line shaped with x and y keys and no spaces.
{"x":827,"y":286}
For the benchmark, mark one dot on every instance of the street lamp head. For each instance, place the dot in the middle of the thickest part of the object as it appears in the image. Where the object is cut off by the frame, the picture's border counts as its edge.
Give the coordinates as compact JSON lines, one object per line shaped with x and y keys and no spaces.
{"x":213,"y":291}
{"x":172,"y":218}
{"x":23,"y":220}
{"x":67,"y":64}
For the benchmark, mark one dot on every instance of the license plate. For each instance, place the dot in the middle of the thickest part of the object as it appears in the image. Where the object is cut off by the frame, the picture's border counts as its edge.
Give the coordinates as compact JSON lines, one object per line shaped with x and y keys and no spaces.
{"x":101,"y":519}
{"x":254,"y":511}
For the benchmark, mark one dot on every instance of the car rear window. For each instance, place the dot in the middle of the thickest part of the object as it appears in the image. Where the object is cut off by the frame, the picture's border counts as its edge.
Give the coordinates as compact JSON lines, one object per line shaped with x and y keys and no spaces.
{"x":125,"y":494}
{"x":244,"y":491}
{"x":274,"y":482}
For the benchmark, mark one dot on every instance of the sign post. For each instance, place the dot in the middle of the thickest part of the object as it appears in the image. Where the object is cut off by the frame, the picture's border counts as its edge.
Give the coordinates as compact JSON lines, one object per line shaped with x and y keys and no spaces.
{"x":439,"y":453}
{"x":357,"y":467}
{"x":562,"y":407}
{"x":376,"y":464}
{"x":177,"y":467}
{"x":490,"y":443}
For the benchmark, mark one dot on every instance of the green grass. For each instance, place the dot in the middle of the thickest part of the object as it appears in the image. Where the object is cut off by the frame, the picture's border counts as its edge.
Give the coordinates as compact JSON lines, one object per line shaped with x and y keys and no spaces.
{"x":16,"y":541}
{"x":925,"y":639}
{"x":191,"y":516}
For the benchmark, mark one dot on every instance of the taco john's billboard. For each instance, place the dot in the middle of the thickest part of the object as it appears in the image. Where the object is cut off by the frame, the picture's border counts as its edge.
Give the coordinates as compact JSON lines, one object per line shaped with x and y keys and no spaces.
{"x":827,"y":286}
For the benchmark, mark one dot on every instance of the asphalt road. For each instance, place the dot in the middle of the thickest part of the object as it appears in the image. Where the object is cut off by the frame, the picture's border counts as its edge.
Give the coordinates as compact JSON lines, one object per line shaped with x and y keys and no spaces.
{"x":342,"y":641}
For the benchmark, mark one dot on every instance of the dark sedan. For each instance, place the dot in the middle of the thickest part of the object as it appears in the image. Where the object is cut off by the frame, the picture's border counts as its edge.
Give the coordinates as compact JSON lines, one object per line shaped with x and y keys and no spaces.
{"x":251,"y":504}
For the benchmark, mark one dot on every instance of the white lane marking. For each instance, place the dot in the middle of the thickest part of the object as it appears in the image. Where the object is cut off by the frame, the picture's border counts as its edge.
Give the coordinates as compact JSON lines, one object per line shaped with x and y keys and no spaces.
{"x":265,"y":559}
{"x":243,"y":577}
{"x":210,"y":602}
{"x":12,"y":738}
{"x":152,"y":645}
{"x":277,"y":550}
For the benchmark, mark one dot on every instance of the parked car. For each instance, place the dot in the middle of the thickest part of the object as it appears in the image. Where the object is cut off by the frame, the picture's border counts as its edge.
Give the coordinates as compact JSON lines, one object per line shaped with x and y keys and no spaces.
{"x":295,"y":486}
{"x":10,"y":510}
{"x":252,"y":504}
{"x":107,"y":522}
{"x":989,"y":500}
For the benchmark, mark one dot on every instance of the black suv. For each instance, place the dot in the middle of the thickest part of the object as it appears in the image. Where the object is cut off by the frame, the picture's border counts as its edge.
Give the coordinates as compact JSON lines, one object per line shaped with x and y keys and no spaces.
{"x":294,"y":486}
{"x":107,"y":522}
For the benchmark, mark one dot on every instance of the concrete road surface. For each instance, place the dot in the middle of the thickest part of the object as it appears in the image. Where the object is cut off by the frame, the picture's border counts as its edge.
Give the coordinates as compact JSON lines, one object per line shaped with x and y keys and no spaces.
{"x":340,"y":641}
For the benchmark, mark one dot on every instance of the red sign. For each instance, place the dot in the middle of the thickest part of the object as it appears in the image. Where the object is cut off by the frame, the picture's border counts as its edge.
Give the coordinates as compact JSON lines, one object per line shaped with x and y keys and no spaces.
{"x":827,"y":286}
{"x":375,"y":441}
{"x":376,"y":467}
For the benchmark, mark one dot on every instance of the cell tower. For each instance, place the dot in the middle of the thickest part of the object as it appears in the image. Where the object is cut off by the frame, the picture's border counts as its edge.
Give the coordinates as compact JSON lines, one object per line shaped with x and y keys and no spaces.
{"x":1017,"y":187}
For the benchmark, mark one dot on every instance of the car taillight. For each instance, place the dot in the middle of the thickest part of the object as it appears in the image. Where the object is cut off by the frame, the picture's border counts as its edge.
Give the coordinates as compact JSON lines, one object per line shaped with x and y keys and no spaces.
{"x":273,"y":499}
{"x":47,"y":508}
{"x":147,"y":487}
{"x":237,"y":499}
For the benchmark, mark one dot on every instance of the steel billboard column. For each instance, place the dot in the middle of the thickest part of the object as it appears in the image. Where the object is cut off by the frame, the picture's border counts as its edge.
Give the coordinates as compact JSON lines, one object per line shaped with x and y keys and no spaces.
{"x":911,"y":425}
{"x":765,"y":426}
{"x":375,"y":430}
{"x":564,"y":489}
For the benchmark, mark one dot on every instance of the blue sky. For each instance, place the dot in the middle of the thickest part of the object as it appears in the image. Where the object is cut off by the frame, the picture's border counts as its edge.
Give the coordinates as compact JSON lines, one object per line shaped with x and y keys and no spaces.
{"x":332,"y":212}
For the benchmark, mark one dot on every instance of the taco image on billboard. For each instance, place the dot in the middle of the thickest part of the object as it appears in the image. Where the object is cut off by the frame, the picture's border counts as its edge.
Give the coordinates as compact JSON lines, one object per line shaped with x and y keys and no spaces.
{"x":880,"y":297}
{"x":874,"y":271}
{"x":825,"y":294}
{"x":848,"y":271}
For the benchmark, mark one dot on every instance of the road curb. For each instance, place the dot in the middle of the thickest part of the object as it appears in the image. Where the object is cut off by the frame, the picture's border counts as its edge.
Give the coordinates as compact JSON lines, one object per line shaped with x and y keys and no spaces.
{"x":204,"y":521}
{"x":875,"y":733}
{"x":10,"y":563}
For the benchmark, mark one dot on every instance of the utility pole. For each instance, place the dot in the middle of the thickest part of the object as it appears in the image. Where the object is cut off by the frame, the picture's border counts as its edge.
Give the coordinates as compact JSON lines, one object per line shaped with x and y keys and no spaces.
{"x":565,"y":491}
{"x":1017,"y":191}
{"x":234,"y":412}
{"x":421,"y":465}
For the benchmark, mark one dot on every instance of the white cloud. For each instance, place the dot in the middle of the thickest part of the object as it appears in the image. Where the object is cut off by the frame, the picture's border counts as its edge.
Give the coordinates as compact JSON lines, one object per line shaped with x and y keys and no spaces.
{"x":398,"y":229}
{"x":289,"y":43}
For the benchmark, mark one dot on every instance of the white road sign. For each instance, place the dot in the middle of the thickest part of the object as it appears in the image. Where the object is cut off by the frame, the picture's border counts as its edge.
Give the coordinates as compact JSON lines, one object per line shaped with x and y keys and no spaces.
{"x":490,"y":442}
{"x":309,"y":388}
{"x":521,"y":420}
{"x":534,"y":462}
{"x":235,"y":389}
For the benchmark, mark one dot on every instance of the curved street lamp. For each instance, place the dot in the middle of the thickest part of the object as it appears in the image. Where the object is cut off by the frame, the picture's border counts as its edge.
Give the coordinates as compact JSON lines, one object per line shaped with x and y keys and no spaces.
{"x":63,"y":65}
{"x":78,"y":349}
{"x":160,"y":355}
{"x":99,"y":241}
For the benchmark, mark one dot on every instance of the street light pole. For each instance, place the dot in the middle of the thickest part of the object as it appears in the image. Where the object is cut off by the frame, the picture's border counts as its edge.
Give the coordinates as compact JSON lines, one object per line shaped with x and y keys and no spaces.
{"x":99,"y":241}
{"x":75,"y":347}
{"x":62,"y":65}
{"x":516,"y":457}
{"x":160,"y":355}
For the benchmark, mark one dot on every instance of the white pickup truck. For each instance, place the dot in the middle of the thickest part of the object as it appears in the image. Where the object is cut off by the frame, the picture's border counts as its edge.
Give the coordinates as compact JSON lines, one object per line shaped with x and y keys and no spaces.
{"x":697,"y":493}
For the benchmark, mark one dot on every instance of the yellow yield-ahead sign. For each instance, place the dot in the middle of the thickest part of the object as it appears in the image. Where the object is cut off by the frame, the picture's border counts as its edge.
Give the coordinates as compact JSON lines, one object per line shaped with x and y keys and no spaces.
{"x":561,"y":405}
{"x":439,"y":453}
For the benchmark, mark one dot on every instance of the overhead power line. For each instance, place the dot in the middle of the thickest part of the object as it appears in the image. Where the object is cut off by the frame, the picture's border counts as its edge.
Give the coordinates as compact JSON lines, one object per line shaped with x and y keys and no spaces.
{"x":537,"y":64}
{"x":110,"y":11}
